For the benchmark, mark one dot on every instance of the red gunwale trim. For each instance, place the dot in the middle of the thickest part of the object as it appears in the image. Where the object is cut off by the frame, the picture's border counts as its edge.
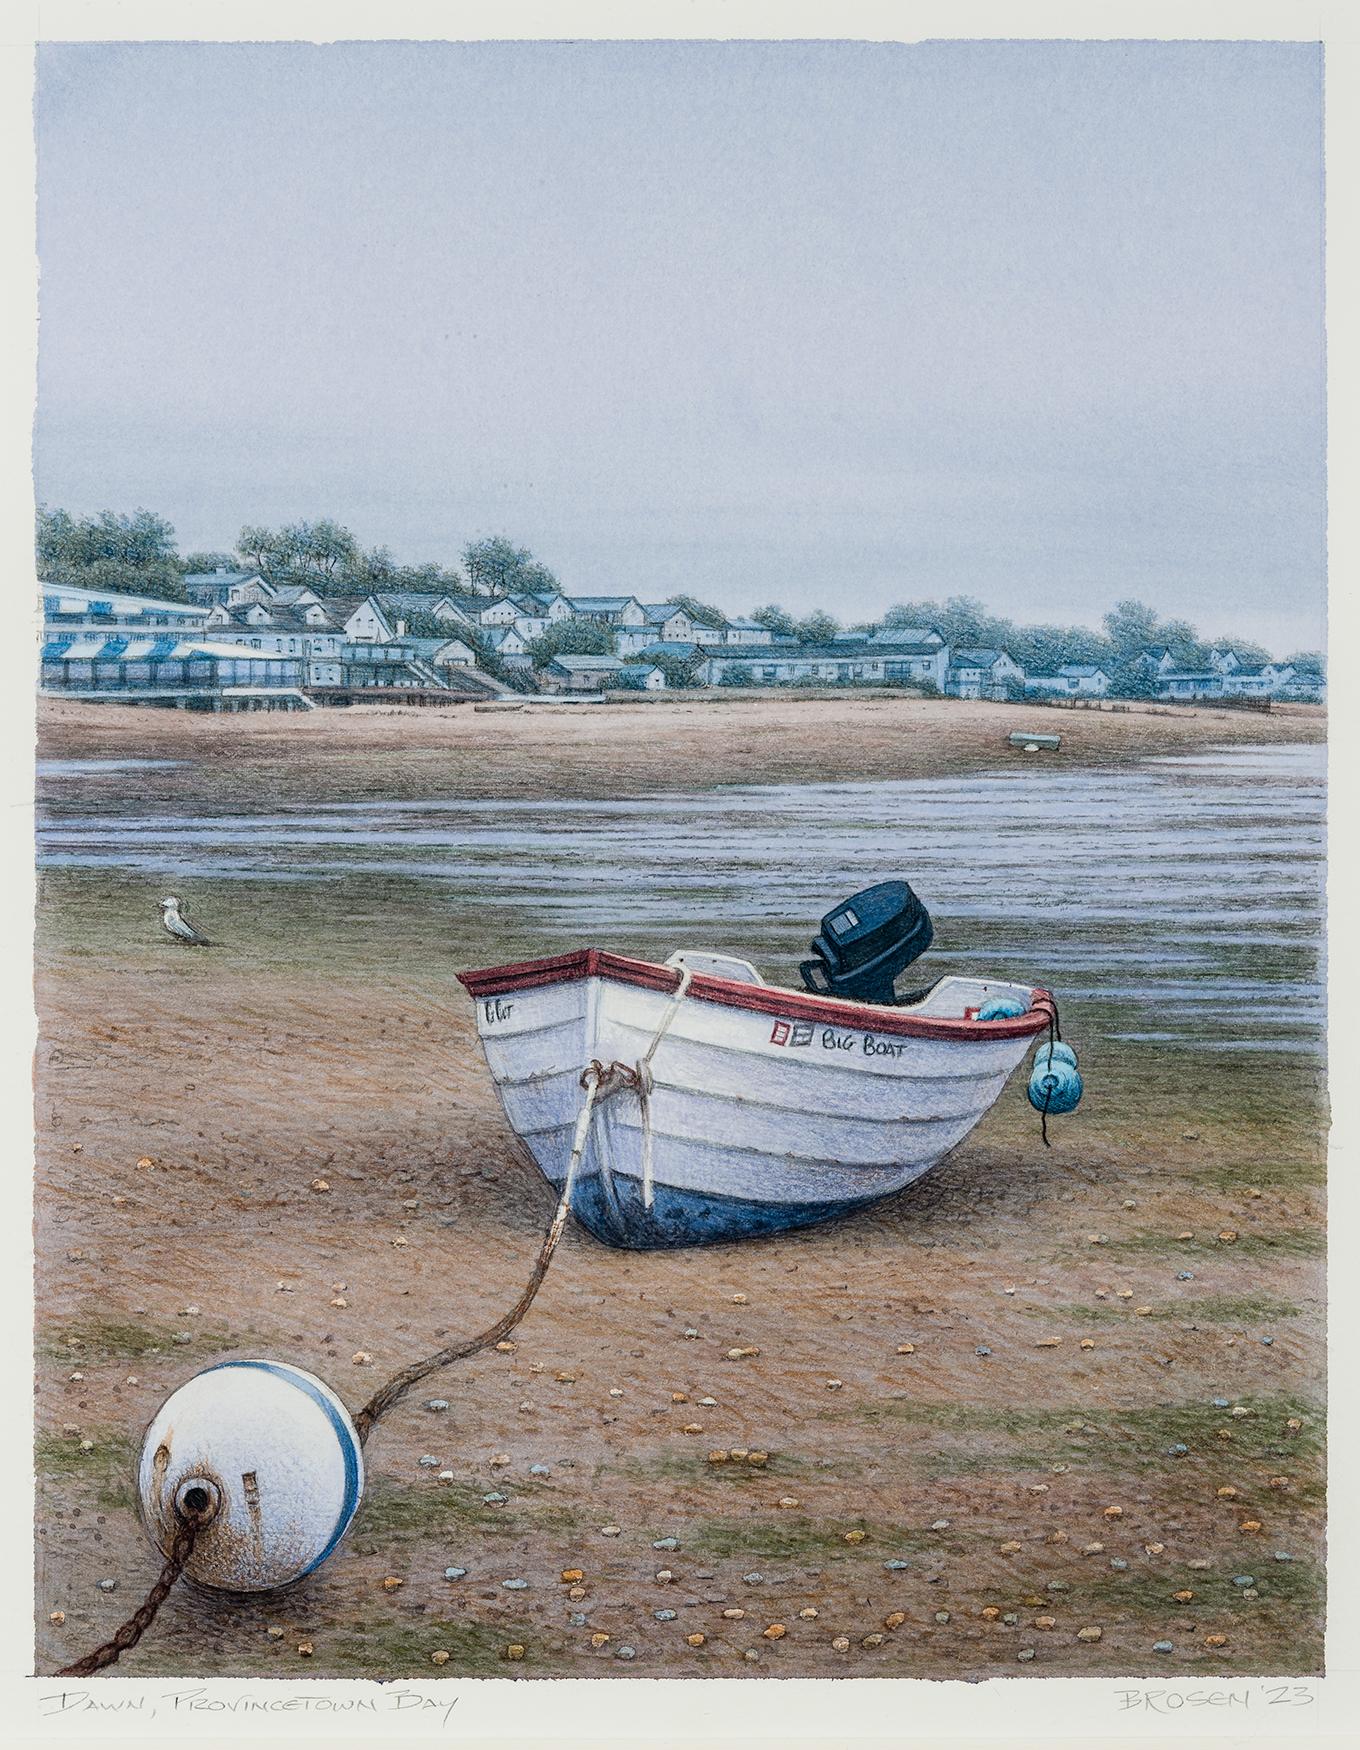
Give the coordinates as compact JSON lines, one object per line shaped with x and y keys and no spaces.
{"x":764,"y":999}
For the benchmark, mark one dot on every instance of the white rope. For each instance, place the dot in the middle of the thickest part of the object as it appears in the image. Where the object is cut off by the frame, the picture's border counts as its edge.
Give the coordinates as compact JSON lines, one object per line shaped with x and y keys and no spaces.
{"x":644,"y":1082}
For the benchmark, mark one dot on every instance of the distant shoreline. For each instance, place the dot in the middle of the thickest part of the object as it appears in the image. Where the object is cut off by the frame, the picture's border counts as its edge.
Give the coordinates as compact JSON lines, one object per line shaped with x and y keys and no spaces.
{"x":691,"y":741}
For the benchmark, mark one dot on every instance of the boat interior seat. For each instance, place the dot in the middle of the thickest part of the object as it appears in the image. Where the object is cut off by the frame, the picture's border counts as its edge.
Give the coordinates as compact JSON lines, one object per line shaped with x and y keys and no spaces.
{"x":716,"y":965}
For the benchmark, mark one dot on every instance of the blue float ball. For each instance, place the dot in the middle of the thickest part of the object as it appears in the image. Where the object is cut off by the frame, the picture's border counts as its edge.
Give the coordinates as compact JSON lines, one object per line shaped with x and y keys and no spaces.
{"x":1000,"y":1009}
{"x":1055,"y":1088}
{"x":1057,"y":1052}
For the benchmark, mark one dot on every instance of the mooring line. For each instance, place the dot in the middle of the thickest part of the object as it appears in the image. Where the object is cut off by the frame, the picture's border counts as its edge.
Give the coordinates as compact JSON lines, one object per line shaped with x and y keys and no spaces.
{"x":195,"y":1518}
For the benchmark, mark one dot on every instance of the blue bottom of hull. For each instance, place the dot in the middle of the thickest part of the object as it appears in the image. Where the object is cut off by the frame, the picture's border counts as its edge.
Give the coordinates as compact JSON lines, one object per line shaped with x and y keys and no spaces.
{"x":614,"y":1212}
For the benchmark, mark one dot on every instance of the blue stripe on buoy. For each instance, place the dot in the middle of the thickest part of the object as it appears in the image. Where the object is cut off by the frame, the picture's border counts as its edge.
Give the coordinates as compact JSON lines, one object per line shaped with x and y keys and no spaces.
{"x":344,"y":1433}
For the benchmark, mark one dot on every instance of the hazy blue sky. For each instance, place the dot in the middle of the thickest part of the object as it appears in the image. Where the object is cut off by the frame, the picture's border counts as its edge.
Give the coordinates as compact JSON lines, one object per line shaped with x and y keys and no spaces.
{"x":826,"y":323}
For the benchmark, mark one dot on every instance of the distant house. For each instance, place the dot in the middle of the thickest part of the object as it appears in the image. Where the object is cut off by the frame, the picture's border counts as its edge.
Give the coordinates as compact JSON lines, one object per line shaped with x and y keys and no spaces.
{"x":1074,"y":679}
{"x":509,"y":644}
{"x":1225,"y":661}
{"x":308,"y":632}
{"x":982,"y":674}
{"x":608,"y":610}
{"x":665,"y":623}
{"x":839,"y":660}
{"x":385,"y":615}
{"x":259,"y":589}
{"x":1186,"y":685}
{"x":744,"y":631}
{"x":646,"y":677}
{"x":570,"y":673}
{"x":1159,"y":659}
{"x":64,"y":608}
{"x":189,"y":668}
{"x":206,"y":588}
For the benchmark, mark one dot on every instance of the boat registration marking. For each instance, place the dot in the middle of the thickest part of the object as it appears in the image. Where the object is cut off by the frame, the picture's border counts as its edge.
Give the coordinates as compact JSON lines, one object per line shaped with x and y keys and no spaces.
{"x":496,"y":1009}
{"x":793,"y":1033}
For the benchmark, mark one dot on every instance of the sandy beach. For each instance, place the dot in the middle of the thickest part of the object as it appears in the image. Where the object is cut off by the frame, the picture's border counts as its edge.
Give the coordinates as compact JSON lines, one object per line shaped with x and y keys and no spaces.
{"x":1045,"y":1393}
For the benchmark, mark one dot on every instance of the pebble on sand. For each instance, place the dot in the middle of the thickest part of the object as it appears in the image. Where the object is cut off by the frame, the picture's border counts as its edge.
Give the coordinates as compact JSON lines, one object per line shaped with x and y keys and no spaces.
{"x":340,"y":1301}
{"x":695,"y":1640}
{"x":751,"y":1656}
{"x":571,"y":1575}
{"x":718,"y":1456}
{"x":1215,"y":1640}
{"x":515,"y":1585}
{"x":610,"y":1530}
{"x":734,"y":1614}
{"x":692,"y":1428}
{"x":321,"y":1184}
{"x":775,"y":1632}
{"x":666,"y":1543}
{"x":1183,"y":1596}
{"x":275,"y":1634}
{"x":439,"y":1658}
{"x":362,"y":1358}
{"x":1163,"y":1647}
{"x":506,"y":1347}
{"x":982,"y":1349}
{"x":514,"y":1651}
{"x":897,"y":1565}
{"x":894,"y":1620}
{"x":789,"y":1501}
{"x":455,"y":1573}
{"x":57,"y":1618}
{"x":942,"y":1617}
{"x":856,"y":1536}
{"x":663,"y":1576}
{"x":391,"y":1583}
{"x":1025,"y":1654}
{"x":873,"y":1640}
{"x":906,"y":1348}
{"x":1089,"y":1634}
{"x":1045,"y":1621}
{"x":841,"y":1644}
{"x":1228,"y":1492}
{"x":305,"y":1649}
{"x":664,"y":1615}
{"x":757,"y":1458}
{"x":834,"y":1384}
{"x":810,"y":1614}
{"x":1114,"y":1513}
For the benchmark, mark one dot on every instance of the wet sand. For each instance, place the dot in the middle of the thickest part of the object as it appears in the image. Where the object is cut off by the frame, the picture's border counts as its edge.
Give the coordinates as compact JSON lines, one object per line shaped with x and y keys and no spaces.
{"x":187,"y":1104}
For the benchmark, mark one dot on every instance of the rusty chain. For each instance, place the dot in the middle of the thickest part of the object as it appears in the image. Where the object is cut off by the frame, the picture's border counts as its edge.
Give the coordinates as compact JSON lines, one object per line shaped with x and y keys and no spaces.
{"x":142,"y":1618}
{"x":598,"y":1080}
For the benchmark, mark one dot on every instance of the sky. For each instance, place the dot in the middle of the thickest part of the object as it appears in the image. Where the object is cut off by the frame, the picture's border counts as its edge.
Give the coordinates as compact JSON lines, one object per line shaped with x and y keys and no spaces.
{"x":827,"y":324}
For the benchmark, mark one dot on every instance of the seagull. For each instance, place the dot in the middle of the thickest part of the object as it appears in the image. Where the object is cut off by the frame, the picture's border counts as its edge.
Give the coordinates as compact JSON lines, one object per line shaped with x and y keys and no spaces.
{"x":180,"y":927}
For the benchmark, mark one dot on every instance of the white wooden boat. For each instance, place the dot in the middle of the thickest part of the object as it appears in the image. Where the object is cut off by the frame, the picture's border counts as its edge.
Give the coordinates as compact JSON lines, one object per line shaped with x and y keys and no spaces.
{"x":734,"y":1108}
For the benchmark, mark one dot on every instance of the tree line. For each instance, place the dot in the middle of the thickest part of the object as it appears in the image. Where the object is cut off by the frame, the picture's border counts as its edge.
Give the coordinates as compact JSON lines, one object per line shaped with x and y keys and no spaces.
{"x":137,"y":553}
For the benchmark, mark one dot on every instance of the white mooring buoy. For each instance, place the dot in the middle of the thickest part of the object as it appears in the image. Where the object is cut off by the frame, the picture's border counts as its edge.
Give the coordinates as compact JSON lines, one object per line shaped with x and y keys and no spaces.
{"x":272,"y":1454}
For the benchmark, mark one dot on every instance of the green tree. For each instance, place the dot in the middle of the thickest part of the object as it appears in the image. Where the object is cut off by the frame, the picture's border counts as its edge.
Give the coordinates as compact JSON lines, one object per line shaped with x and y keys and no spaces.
{"x":496,"y":566}
{"x":777,"y":620}
{"x":322,"y":554}
{"x":817,"y":628}
{"x":575,"y":637}
{"x":1308,"y":662}
{"x":737,"y":674}
{"x":125,"y":554}
{"x":194,"y":564}
{"x":679,"y":671}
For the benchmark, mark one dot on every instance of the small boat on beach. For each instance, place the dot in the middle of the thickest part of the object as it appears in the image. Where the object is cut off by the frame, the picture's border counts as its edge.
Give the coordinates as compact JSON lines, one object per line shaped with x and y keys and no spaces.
{"x":727,"y":1107}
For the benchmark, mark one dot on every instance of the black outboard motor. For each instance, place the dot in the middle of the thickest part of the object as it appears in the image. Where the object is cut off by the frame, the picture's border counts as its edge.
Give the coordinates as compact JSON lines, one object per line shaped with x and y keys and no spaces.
{"x":866,"y":941}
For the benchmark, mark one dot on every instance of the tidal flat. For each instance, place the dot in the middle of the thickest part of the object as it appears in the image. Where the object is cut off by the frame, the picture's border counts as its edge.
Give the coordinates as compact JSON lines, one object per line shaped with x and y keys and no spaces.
{"x":1047,"y":1390}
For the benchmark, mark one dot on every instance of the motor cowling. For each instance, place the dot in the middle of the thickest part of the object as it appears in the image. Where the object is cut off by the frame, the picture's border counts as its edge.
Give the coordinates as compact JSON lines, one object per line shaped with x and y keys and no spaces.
{"x":866,"y":941}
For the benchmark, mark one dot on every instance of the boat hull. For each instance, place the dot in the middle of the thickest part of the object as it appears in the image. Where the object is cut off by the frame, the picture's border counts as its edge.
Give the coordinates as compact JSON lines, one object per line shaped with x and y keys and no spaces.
{"x":766,"y":1109}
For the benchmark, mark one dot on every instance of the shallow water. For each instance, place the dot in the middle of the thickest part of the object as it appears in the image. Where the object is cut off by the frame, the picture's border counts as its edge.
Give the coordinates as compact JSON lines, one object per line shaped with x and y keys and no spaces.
{"x":1177,"y":902}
